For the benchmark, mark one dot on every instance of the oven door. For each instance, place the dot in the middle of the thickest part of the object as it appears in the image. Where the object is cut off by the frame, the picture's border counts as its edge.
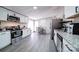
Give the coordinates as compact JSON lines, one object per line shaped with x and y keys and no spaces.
{"x":17,"y":33}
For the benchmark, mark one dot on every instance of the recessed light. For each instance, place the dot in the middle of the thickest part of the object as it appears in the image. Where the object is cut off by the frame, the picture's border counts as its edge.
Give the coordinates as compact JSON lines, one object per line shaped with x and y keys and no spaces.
{"x":35,"y":7}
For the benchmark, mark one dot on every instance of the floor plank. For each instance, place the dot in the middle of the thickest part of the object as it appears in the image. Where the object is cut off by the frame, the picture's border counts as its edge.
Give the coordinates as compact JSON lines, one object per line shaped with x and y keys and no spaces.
{"x":33,"y":43}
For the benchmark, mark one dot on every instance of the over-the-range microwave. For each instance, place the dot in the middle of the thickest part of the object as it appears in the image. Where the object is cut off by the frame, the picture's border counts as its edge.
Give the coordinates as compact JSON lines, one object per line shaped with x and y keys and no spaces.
{"x":13,"y":18}
{"x":73,"y":28}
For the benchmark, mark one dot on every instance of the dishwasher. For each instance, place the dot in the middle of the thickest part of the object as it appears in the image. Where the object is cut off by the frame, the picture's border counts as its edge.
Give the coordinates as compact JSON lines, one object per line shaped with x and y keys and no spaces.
{"x":59,"y":43}
{"x":67,"y":47}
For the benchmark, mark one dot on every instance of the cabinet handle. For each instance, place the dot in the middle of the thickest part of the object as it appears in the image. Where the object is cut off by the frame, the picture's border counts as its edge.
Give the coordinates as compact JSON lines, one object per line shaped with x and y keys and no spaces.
{"x":68,"y":48}
{"x":76,"y":9}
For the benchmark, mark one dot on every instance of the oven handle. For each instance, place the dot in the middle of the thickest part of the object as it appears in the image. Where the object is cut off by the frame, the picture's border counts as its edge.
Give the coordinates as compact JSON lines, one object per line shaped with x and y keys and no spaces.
{"x":68,"y":48}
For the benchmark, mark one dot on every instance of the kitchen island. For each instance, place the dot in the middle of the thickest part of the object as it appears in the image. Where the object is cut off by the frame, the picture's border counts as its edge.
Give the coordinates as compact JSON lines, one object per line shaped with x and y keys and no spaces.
{"x":70,"y":39}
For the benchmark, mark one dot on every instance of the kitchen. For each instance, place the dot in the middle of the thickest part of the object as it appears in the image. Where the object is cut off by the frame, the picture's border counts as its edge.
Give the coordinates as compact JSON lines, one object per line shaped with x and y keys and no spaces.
{"x":12,"y":29}
{"x":66,"y":39}
{"x":55,"y":20}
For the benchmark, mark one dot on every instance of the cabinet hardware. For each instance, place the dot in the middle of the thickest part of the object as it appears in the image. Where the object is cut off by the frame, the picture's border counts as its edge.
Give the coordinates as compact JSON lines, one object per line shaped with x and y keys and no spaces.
{"x":68,"y":48}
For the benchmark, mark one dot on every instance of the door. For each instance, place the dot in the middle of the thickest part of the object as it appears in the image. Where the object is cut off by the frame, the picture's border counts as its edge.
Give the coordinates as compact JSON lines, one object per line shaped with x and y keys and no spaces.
{"x":30,"y":25}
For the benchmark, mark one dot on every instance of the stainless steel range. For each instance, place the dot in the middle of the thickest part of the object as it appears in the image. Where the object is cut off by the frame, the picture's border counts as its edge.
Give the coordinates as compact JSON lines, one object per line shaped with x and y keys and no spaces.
{"x":16,"y":33}
{"x":16,"y":36}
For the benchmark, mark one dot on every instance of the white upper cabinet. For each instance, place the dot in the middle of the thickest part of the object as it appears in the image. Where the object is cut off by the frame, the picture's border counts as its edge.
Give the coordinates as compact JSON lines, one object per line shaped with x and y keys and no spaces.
{"x":25,"y":19}
{"x":3,"y":14}
{"x":69,"y":11}
{"x":10,"y":13}
{"x":22,"y":18}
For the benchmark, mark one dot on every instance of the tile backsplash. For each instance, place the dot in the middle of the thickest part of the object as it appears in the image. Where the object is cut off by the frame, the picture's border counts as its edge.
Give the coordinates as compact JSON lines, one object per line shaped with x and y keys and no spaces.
{"x":9,"y":24}
{"x":76,"y":20}
{"x":5,"y":24}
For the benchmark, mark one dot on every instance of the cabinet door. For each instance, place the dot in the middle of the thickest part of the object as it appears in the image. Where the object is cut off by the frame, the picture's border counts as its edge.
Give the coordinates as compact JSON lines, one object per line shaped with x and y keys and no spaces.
{"x":3,"y":14}
{"x":55,"y":38}
{"x":24,"y":33}
{"x":69,"y":11}
{"x":67,"y":47}
{"x":5,"y":39}
{"x":10,"y":13}
{"x":59,"y":43}
{"x":22,"y":19}
{"x":28,"y":31}
{"x":26,"y":19}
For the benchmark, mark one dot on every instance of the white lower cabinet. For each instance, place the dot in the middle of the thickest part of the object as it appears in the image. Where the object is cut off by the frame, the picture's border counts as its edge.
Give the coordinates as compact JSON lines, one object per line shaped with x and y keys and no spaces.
{"x":26,"y":32}
{"x":62,"y":44}
{"x":5,"y":39}
{"x":58,"y":39}
{"x":68,"y":47}
{"x":55,"y":38}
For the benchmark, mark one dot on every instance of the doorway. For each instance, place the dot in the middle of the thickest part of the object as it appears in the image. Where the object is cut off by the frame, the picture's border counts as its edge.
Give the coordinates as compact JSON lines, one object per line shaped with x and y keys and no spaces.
{"x":33,"y":25}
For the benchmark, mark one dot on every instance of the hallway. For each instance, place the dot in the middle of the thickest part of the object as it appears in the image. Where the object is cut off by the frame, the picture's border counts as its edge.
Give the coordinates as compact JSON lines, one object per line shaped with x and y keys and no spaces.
{"x":33,"y":43}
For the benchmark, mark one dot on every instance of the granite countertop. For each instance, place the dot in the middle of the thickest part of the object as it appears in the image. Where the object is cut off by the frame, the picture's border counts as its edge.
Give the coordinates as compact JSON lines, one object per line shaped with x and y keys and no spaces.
{"x":26,"y":29}
{"x":4,"y":31}
{"x":70,"y":38}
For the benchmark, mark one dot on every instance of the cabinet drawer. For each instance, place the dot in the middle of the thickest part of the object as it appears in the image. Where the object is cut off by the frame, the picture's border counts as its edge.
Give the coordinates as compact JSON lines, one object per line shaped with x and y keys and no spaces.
{"x":68,"y":47}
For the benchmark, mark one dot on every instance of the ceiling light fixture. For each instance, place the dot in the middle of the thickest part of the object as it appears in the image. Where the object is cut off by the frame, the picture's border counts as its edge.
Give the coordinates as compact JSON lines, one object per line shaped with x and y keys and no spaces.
{"x":35,"y":7}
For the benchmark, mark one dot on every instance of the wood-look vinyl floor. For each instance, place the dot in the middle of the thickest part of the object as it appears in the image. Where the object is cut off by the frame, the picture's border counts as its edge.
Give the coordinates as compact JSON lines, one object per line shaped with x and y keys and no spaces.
{"x":33,"y":43}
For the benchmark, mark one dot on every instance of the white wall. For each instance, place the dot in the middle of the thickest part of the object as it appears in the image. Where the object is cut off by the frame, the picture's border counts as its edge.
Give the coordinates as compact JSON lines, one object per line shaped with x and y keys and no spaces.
{"x":46,"y":22}
{"x":76,"y":20}
{"x":59,"y":12}
{"x":30,"y":25}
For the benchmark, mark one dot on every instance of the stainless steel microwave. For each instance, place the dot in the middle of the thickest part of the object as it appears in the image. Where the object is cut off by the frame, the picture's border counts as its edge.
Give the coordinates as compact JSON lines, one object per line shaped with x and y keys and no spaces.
{"x":73,"y":28}
{"x":13,"y":18}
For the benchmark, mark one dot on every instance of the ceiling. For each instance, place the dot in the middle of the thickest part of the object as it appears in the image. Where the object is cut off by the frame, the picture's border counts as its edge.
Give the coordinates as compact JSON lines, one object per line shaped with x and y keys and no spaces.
{"x":40,"y":12}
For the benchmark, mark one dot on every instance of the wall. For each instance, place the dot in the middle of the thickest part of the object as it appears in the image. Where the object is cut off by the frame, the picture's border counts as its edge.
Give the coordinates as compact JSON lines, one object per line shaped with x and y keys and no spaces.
{"x":8,"y":24}
{"x":46,"y":22}
{"x":59,"y":12}
{"x":76,"y":20}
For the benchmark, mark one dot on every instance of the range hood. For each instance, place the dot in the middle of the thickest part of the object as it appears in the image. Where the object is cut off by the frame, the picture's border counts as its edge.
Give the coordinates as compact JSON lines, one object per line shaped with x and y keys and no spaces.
{"x":13,"y":18}
{"x":65,"y":21}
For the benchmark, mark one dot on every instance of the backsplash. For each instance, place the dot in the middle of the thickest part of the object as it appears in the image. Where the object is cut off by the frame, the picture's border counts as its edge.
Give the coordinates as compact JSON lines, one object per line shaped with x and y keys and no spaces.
{"x":9,"y":24}
{"x":76,"y":20}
